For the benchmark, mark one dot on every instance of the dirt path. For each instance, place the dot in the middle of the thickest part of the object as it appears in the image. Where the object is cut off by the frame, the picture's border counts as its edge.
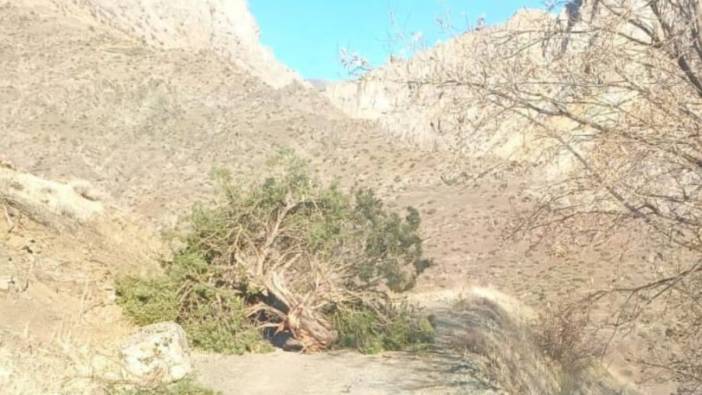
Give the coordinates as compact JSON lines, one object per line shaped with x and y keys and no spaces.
{"x":336,"y":373}
{"x":480,"y":340}
{"x":442,"y":370}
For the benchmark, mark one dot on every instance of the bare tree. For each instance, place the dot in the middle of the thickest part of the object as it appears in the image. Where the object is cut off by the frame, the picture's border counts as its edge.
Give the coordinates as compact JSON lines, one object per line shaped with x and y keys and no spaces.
{"x":619,"y":91}
{"x":616,"y":85}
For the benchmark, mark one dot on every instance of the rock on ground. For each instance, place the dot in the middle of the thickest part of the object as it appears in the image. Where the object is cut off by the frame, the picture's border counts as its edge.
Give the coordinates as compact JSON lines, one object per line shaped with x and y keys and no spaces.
{"x":157,"y":353}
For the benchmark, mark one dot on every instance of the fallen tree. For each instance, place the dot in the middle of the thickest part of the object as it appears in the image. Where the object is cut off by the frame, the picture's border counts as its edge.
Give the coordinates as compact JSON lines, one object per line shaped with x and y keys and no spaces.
{"x":288,"y":255}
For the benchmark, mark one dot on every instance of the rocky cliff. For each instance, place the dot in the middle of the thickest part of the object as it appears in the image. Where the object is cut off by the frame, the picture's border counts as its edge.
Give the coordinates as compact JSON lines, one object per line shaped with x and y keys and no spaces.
{"x":416,"y":99}
{"x":226,"y":27}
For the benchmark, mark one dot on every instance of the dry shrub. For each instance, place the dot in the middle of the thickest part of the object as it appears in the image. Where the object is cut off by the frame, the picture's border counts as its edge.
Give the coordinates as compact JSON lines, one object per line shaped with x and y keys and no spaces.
{"x":521,"y":355}
{"x":503,"y":345}
{"x":562,"y":334}
{"x":568,"y":338}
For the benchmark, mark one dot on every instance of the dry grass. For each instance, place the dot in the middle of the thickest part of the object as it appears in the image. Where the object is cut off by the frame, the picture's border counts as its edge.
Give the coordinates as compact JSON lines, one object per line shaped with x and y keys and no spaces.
{"x":503,"y":344}
{"x":523,"y":353}
{"x":67,"y":364}
{"x":563,"y":335}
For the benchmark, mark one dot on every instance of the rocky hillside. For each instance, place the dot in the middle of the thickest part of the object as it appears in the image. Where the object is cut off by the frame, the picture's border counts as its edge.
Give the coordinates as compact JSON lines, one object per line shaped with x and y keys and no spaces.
{"x":144,"y":123}
{"x":223,"y":27}
{"x":395,"y":90}
{"x":422,"y":99}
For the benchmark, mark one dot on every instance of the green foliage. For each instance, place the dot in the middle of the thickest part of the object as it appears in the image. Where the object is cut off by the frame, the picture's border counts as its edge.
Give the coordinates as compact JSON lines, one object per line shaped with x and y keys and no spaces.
{"x":217,"y":285}
{"x":391,"y":243}
{"x":214,"y":317}
{"x":216,"y":320}
{"x":371,"y":332}
{"x":148,"y":301}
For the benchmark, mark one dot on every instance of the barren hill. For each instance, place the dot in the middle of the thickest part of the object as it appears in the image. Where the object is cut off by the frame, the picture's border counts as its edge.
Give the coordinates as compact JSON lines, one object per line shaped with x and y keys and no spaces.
{"x":225,"y":28}
{"x":146,"y":124}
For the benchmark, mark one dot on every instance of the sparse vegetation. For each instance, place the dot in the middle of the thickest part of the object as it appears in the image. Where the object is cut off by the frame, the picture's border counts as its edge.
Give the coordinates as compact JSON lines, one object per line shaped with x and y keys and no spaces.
{"x":185,"y":386}
{"x":290,"y":255}
{"x":563,"y":335}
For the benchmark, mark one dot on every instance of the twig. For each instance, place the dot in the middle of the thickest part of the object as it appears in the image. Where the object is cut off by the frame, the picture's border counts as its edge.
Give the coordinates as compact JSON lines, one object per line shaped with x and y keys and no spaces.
{"x":9,"y":219}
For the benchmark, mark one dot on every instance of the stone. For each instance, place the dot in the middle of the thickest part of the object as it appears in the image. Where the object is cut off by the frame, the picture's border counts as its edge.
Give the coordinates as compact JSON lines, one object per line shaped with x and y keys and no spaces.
{"x":6,"y":282}
{"x":157,"y":353}
{"x":13,"y":284}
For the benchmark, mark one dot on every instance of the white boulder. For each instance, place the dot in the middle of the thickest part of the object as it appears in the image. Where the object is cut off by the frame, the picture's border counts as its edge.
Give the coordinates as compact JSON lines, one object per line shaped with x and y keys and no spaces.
{"x":157,"y":353}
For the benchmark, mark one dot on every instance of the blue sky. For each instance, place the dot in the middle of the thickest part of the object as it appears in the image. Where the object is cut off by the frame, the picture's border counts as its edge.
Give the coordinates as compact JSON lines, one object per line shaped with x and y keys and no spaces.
{"x":307,"y":35}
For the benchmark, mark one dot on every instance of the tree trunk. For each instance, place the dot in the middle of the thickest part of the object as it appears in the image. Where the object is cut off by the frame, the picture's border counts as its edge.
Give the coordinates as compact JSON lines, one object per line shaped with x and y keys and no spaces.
{"x":306,"y":325}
